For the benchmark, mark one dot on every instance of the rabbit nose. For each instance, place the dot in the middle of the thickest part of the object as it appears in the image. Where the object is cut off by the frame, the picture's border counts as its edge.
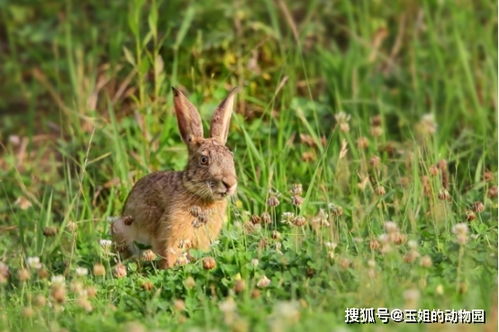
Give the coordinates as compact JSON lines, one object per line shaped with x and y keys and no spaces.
{"x":229,"y":182}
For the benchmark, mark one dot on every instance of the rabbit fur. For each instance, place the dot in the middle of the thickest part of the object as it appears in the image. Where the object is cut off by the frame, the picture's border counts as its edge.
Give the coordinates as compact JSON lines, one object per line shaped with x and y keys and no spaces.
{"x":173,"y":211}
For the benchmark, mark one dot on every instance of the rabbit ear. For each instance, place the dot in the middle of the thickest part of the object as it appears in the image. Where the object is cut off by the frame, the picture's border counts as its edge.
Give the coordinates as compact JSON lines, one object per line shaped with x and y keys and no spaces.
{"x":189,"y":121}
{"x":221,"y":117}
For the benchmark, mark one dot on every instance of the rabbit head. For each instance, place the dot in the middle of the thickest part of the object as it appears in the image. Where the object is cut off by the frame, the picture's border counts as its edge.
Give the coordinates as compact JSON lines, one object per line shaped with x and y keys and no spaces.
{"x":210,"y":173}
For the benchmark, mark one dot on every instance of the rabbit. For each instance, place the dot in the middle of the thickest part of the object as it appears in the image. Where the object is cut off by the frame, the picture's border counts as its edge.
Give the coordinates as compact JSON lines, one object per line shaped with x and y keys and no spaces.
{"x":173,"y":211}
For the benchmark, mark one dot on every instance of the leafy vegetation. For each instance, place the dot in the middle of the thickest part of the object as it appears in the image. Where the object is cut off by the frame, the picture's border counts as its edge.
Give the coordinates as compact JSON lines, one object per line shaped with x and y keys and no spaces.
{"x":385,"y":114}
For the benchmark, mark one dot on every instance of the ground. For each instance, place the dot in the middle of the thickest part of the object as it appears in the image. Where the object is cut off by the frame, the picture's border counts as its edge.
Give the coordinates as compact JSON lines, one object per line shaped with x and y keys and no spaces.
{"x":384,"y":114}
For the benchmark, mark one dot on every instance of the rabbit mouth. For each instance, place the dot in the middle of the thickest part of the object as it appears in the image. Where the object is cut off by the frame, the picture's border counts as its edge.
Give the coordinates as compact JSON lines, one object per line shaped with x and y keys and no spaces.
{"x":219,"y":192}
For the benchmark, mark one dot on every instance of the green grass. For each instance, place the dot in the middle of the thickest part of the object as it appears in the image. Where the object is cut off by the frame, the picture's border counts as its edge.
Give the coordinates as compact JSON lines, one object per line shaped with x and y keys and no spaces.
{"x":87,"y":110}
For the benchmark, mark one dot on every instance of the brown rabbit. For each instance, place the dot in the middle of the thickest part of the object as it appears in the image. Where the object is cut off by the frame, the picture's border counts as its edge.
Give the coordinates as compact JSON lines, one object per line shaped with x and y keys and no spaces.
{"x":175,"y":211}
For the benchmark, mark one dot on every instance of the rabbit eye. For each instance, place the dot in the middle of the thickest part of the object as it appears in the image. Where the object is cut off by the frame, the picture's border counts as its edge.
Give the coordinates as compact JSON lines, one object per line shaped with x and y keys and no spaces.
{"x":203,"y":160}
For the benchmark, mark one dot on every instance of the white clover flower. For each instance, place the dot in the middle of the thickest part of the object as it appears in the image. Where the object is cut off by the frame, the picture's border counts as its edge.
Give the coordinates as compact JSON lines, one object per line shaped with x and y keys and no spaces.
{"x":58,"y":279}
{"x":4,"y":267}
{"x":263,"y":282}
{"x":390,"y":226}
{"x":413,"y":244}
{"x":254,"y":262}
{"x":342,"y":117}
{"x":278,"y":246}
{"x":342,"y":120}
{"x":4,"y":273}
{"x":287,"y":217}
{"x":81,"y":271}
{"x":335,"y":210}
{"x":287,"y":310}
{"x":34,"y":262}
{"x":321,"y":219}
{"x":411,"y":297}
{"x":322,"y":214}
{"x":460,"y":228}
{"x":228,"y":305}
{"x":461,"y":231}
{"x":182,"y":259}
{"x":358,"y":239}
{"x":383,"y":238}
{"x":427,"y":125}
{"x":105,"y":244}
{"x":331,"y":245}
{"x":429,"y":122}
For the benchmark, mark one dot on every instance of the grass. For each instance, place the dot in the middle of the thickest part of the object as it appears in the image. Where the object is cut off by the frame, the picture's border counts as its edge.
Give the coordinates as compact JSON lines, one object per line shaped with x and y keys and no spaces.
{"x":382,"y":113}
